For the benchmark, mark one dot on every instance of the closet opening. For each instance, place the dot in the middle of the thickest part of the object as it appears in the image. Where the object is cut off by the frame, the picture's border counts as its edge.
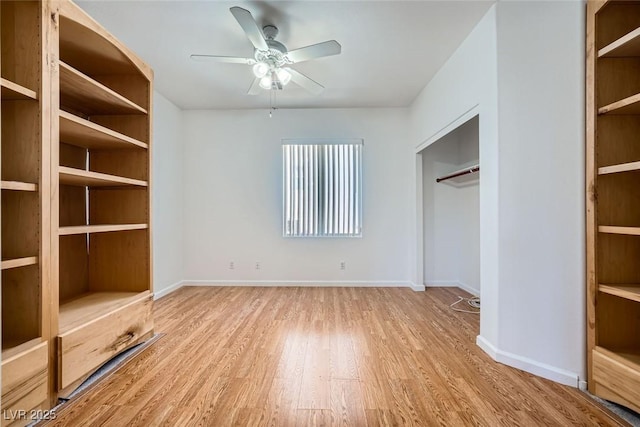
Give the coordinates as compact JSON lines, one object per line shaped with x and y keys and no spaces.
{"x":450,"y":231}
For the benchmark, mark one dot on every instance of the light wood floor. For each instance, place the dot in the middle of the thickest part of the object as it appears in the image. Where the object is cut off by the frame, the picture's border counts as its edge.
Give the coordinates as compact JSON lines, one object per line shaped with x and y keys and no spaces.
{"x":322,"y":356}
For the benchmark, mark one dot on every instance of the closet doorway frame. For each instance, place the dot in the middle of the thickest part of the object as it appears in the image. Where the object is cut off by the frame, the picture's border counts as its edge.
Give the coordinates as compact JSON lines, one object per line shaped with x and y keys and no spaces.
{"x":455,"y":124}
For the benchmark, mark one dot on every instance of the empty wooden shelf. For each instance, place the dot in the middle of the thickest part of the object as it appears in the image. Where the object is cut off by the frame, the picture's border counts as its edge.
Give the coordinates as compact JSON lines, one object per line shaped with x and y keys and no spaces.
{"x":625,"y":167}
{"x":83,"y":133}
{"x":70,"y":176}
{"x":19,"y":262}
{"x":629,"y":231}
{"x":14,"y":92}
{"x":629,"y":105}
{"x":84,"y":229}
{"x":628,"y":45}
{"x":630,"y":292}
{"x":18,"y":186}
{"x":82,"y":93}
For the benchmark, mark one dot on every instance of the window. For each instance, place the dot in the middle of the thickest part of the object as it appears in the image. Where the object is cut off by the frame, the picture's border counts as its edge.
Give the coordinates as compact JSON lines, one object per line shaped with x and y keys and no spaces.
{"x":322,"y":188}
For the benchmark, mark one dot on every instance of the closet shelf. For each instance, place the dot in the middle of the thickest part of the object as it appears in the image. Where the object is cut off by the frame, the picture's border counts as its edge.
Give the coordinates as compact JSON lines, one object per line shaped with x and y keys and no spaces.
{"x":629,"y":105}
{"x":624,"y":167}
{"x":83,"y":133}
{"x":14,"y":92}
{"x":18,"y":262}
{"x":18,"y":186}
{"x":71,"y":176}
{"x":627,"y":45}
{"x":609,"y":229}
{"x":629,"y":291}
{"x":84,"y":229}
{"x":82,"y":93}
{"x":82,"y":309}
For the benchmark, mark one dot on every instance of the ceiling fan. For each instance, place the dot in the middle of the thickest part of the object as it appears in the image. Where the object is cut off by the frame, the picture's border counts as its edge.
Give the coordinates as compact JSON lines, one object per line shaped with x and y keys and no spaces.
{"x":271,"y":58}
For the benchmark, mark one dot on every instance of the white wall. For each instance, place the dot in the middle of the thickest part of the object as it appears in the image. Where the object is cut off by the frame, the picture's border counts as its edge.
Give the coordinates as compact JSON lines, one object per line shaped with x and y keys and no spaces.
{"x":523,"y":66}
{"x":167,"y":190}
{"x":451,"y":214}
{"x":542,"y":248}
{"x":466,"y":83}
{"x":233,"y":200}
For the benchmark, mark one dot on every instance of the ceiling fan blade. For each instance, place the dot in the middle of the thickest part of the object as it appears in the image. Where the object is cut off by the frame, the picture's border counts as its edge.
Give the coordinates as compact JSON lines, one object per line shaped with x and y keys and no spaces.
{"x":255,"y":88}
{"x":319,"y":50}
{"x":250,"y":27}
{"x":227,"y":59}
{"x":305,"y":82}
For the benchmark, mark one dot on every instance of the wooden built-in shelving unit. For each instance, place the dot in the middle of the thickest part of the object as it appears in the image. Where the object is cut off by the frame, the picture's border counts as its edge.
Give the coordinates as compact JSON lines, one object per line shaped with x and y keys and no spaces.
{"x":24,"y":204}
{"x":613,"y":201}
{"x":102,"y":160}
{"x":75,"y":201}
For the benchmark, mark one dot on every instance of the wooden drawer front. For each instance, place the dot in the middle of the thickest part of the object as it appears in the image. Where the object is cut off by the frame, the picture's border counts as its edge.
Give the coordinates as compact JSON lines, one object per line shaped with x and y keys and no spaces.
{"x":83,"y":349}
{"x":619,"y":377}
{"x":24,"y":381}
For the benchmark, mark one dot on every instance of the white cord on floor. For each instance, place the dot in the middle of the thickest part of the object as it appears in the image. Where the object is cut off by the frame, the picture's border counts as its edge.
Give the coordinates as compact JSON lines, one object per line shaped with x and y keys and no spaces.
{"x":473,"y":302}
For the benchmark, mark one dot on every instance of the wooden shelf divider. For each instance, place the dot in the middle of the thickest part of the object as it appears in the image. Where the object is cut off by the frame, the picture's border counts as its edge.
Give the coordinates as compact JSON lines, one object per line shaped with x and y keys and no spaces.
{"x":84,"y":229}
{"x":630,"y":292}
{"x":18,"y":262}
{"x":627,"y":45}
{"x":609,"y":229}
{"x":82,"y":93}
{"x":14,"y":92}
{"x":18,"y":186}
{"x":71,"y":176}
{"x":77,"y":131}
{"x":624,"y":167}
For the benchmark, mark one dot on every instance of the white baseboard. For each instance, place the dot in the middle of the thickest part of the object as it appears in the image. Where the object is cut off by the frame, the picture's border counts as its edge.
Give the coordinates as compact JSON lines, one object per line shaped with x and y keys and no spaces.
{"x":166,"y":291}
{"x":452,"y":284}
{"x":310,"y":283}
{"x":416,"y":287}
{"x":529,"y":365}
{"x":582,"y":385}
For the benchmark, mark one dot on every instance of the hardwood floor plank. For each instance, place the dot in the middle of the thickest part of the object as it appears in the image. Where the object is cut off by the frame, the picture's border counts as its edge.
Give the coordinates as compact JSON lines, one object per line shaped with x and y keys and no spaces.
{"x":322,"y":356}
{"x":347,"y":408}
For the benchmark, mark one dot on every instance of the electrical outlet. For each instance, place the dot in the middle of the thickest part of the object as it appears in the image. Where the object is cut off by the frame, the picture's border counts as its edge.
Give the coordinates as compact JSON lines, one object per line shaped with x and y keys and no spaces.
{"x":232,"y":265}
{"x":258,"y":265}
{"x":343,"y":265}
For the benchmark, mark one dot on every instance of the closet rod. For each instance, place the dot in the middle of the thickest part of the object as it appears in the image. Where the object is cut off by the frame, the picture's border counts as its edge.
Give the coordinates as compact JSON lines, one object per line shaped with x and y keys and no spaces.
{"x":459,"y":173}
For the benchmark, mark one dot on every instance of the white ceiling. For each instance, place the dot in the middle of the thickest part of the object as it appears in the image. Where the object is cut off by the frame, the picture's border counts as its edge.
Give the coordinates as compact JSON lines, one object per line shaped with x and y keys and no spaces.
{"x":390,"y":49}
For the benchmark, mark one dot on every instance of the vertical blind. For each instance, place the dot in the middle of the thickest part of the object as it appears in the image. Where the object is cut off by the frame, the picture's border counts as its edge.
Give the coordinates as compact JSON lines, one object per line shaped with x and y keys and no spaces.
{"x":322,"y":188}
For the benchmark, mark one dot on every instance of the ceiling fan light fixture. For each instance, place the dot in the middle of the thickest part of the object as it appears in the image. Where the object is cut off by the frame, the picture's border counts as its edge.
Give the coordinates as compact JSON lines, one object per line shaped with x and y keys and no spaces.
{"x":260,"y":69}
{"x":283,"y":75}
{"x":265,"y":82}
